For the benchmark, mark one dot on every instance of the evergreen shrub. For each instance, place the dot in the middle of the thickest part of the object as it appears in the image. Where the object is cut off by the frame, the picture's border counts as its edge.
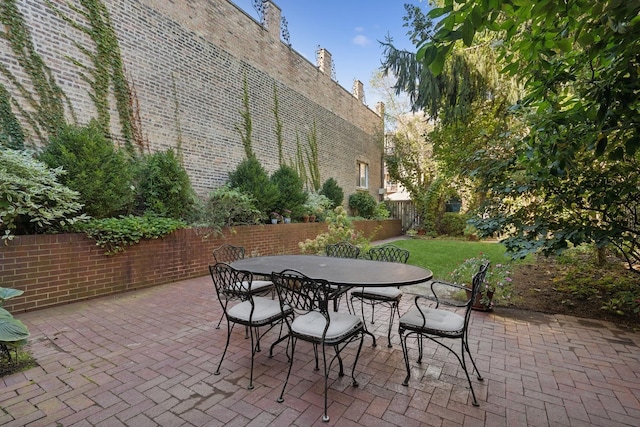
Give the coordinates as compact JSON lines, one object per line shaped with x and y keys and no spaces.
{"x":227,"y":207}
{"x":164,"y":187}
{"x":252,"y":179}
{"x":291,"y":189}
{"x":333,"y":192}
{"x":452,"y":224}
{"x":363,"y":204}
{"x":94,"y":168}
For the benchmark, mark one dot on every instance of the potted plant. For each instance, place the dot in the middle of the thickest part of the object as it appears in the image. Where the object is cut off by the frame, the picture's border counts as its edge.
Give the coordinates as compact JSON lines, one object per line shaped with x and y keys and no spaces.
{"x":275,"y":217}
{"x":497,"y":282}
{"x":286,"y":214}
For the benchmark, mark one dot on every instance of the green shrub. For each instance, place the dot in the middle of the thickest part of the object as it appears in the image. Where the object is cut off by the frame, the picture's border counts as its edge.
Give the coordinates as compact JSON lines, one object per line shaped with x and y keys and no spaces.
{"x":363,"y":204}
{"x":31,"y":198}
{"x":381,"y":211}
{"x":251,"y":178}
{"x":333,"y":192}
{"x":339,"y":228}
{"x":100,"y":173}
{"x":318,"y":205}
{"x":452,"y":224}
{"x":291,"y":189}
{"x":227,"y":207}
{"x":114,"y":234}
{"x":164,"y":187}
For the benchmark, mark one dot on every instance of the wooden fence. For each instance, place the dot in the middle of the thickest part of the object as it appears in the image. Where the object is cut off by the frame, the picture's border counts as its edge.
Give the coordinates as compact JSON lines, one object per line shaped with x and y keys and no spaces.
{"x":406,"y":212}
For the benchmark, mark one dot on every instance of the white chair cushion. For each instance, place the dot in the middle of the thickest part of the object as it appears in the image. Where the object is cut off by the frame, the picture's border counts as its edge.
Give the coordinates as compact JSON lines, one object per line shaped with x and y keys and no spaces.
{"x":435,"y":319}
{"x":313,"y":323}
{"x":257,"y":285}
{"x":265,"y":309}
{"x":390,"y":292}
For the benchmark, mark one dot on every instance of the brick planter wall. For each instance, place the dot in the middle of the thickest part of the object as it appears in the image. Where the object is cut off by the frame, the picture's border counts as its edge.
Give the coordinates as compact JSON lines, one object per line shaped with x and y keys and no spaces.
{"x":63,"y":268}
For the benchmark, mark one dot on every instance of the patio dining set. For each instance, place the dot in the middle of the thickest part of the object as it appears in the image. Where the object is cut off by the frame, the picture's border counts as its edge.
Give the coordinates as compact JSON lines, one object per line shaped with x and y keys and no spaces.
{"x":300,"y":296}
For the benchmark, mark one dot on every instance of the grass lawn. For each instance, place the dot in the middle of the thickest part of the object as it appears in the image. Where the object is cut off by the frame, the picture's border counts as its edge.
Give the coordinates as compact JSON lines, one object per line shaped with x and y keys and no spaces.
{"x":443,"y":256}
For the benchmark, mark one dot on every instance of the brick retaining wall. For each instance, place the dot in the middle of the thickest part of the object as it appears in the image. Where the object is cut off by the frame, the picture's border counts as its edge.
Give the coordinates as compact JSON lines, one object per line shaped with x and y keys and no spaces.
{"x":63,"y":268}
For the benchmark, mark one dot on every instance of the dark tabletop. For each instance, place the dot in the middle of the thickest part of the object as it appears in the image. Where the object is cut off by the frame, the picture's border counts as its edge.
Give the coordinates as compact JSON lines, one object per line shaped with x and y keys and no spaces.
{"x":339,"y":271}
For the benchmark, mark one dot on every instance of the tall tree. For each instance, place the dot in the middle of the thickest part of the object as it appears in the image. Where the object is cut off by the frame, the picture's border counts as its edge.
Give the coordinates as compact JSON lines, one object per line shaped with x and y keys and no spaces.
{"x":466,"y":105}
{"x":577,"y":167}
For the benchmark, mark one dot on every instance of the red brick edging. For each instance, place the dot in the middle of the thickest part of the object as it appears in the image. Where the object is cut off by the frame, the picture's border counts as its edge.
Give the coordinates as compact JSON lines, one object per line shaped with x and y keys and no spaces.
{"x":63,"y":268}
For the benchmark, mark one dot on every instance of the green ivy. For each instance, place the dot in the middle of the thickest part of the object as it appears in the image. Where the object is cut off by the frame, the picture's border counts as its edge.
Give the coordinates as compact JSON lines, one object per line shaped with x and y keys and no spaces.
{"x":107,"y":66}
{"x":11,"y":134}
{"x":114,"y":234}
{"x":312,"y":159}
{"x":46,"y":112}
{"x":276,"y":113}
{"x":246,"y":127}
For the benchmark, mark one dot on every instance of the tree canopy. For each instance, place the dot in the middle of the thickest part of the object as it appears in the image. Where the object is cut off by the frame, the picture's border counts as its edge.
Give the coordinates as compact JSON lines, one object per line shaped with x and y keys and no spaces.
{"x":571,"y":175}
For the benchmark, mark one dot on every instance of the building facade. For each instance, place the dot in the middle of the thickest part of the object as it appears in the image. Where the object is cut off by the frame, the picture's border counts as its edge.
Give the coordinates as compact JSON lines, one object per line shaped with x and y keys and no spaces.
{"x":187,"y":62}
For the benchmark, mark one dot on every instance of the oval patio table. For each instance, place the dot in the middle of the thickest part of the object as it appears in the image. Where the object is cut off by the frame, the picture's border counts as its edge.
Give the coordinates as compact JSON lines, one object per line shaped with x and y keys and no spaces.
{"x":343,"y":272}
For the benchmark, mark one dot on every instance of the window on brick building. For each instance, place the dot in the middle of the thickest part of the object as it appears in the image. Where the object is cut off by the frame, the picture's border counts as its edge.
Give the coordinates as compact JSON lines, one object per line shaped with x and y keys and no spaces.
{"x":363,"y":175}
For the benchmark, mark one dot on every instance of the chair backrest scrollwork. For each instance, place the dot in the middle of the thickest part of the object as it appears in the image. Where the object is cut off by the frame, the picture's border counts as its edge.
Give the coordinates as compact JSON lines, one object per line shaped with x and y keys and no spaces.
{"x":228,"y":253}
{"x":342,"y":249}
{"x":389,"y":253}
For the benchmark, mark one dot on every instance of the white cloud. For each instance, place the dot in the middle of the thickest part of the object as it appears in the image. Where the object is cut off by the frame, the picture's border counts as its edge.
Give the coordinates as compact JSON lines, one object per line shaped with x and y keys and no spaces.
{"x":359,"y":29}
{"x":361,"y":40}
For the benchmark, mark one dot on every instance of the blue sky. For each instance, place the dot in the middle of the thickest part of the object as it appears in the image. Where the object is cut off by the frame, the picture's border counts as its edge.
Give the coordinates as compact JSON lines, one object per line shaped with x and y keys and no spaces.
{"x":349,"y":29}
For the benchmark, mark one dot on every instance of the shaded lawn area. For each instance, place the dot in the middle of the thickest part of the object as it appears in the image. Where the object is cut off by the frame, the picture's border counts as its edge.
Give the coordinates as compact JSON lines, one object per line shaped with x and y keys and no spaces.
{"x":443,"y":256}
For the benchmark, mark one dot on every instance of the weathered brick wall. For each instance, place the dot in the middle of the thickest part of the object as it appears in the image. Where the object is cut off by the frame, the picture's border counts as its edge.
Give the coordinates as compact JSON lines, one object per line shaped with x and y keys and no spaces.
{"x":62,"y":268}
{"x":187,"y":61}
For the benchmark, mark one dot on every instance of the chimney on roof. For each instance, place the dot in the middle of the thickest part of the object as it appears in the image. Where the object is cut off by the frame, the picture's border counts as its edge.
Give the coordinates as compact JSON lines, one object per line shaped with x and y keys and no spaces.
{"x":358,"y":91}
{"x":273,"y":15}
{"x":324,"y":61}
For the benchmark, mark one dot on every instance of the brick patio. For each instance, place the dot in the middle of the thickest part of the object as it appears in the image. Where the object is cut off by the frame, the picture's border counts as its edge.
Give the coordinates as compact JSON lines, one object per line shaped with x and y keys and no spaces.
{"x":147,"y":358}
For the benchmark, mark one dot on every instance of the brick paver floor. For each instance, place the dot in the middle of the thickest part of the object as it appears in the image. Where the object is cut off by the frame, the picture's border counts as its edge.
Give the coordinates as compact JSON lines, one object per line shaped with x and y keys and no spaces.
{"x":148,"y":357}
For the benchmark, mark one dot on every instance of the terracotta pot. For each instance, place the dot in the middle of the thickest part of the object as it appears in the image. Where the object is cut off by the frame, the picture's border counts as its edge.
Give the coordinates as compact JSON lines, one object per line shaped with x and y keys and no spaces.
{"x":305,"y":218}
{"x":312,"y":218}
{"x":478,"y":305}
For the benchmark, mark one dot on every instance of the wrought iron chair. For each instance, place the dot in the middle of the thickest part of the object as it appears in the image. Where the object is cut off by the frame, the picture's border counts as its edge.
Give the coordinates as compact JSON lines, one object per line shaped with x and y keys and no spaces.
{"x":437,"y":324}
{"x":341,"y":249}
{"x":229,"y":253}
{"x":388,"y":295}
{"x":241,"y":306}
{"x":314,"y":323}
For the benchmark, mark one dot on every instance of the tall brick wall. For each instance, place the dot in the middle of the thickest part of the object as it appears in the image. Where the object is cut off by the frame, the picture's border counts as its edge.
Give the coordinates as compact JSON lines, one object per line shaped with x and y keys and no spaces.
{"x":187,"y":60}
{"x":63,"y":268}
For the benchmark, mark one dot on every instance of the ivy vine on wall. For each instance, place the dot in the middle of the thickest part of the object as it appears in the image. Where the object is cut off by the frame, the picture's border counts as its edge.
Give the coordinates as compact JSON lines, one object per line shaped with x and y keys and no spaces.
{"x":46,"y":99}
{"x":108,"y":69}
